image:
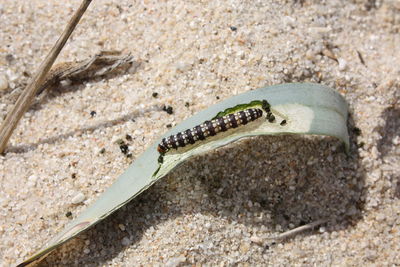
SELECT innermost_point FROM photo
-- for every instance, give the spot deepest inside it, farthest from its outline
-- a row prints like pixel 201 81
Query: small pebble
pixel 3 82
pixel 121 227
pixel 193 25
pixel 12 76
pixel 125 241
pixel 10 58
pixel 257 240
pixel 173 262
pixel 65 83
pixel 33 178
pixel 78 198
pixel 396 140
pixel 342 64
pixel 244 247
pixel 182 66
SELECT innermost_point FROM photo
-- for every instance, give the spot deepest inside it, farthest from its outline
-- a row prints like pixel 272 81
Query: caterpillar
pixel 209 128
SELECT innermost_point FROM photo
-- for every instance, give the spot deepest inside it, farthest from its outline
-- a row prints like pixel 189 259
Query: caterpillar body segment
pixel 209 128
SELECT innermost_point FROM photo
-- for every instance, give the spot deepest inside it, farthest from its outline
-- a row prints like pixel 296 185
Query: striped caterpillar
pixel 210 128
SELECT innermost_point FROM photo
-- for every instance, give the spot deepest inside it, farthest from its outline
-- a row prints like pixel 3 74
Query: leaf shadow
pixel 23 148
pixel 390 130
pixel 386 145
pixel 269 182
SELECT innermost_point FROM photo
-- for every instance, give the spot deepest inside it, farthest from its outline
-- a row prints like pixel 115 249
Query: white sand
pixel 220 208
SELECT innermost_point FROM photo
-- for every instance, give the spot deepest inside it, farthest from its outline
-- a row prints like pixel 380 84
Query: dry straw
pixel 27 96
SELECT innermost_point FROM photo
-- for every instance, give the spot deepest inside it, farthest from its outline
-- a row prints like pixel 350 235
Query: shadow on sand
pixel 294 180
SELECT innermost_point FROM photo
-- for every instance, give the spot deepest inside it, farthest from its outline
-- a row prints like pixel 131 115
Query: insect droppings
pixel 209 128
pixel 283 123
pixel 270 117
pixel 357 131
pixel 168 109
pixel 128 137
pixel 266 106
pixel 124 148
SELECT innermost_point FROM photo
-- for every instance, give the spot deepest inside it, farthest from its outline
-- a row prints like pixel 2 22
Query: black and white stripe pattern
pixel 209 128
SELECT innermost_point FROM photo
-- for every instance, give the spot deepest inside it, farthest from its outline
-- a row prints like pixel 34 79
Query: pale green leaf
pixel 307 108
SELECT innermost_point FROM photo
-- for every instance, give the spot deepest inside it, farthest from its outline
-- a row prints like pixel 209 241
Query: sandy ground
pixel 217 209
